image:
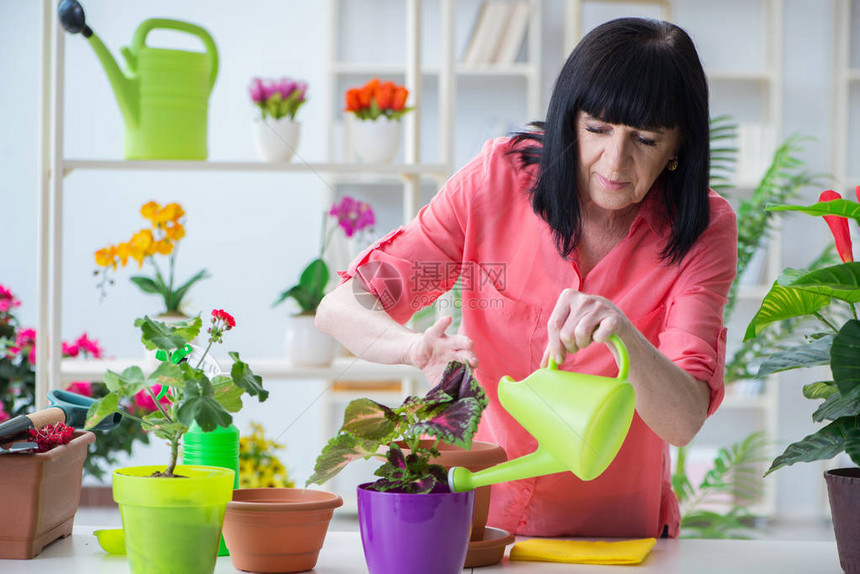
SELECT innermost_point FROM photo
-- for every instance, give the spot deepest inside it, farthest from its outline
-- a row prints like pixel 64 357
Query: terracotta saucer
pixel 490 550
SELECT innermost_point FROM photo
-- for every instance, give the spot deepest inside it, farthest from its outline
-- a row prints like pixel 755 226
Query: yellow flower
pixel 106 257
pixel 150 210
pixel 170 212
pixel 123 250
pixel 174 232
pixel 163 246
pixel 141 245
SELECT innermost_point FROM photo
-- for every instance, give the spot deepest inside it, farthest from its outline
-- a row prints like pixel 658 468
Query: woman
pixel 599 222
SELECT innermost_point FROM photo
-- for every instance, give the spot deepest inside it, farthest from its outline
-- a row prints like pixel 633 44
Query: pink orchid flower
pixel 839 228
pixel 353 215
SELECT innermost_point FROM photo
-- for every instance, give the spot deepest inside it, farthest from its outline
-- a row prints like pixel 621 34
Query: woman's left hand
pixel 578 320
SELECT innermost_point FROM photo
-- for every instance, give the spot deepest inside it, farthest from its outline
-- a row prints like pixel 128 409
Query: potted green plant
pixel 408 519
pixel 162 237
pixel 174 524
pixel 828 297
pixel 276 131
pixel 305 345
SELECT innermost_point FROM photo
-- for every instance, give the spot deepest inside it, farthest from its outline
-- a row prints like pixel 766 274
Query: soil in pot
pixel 277 529
pixel 40 496
pixel 843 489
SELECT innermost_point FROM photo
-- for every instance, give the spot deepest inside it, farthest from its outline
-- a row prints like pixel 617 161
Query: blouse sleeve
pixel 694 337
pixel 412 265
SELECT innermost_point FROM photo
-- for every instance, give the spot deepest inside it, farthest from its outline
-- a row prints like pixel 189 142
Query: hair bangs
pixel 637 88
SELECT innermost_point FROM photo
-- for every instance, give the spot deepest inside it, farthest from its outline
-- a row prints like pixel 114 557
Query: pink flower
pixel 70 350
pixel 256 91
pixel 144 401
pixel 839 228
pixel 286 86
pixel 302 87
pixel 84 388
pixel 4 416
pixel 7 300
pixel 89 347
pixel 352 215
pixel 26 341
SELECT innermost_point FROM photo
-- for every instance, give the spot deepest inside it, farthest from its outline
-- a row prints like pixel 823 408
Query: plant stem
pixel 203 356
pixel 825 321
pixel 174 453
pixel 158 404
pixel 853 310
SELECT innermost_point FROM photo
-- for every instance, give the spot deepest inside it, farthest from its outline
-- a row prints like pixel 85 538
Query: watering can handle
pixel 622 358
pixel 139 40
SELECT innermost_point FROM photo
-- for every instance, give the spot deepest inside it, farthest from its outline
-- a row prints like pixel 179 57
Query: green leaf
pixel 799 356
pixel 101 409
pixel 180 292
pixel 158 335
pixel 845 357
pixel 199 405
pixel 782 303
pixel 315 278
pixel 244 378
pixel 841 207
pixel 127 383
pixel 819 389
pixel 822 445
pixel 163 428
pixel 340 451
pixel 166 374
pixel 369 420
pixel 839 281
pixel 852 445
pixel 838 405
pixel 146 284
pixel 227 394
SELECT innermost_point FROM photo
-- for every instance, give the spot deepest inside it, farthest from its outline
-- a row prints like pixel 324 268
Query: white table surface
pixel 342 554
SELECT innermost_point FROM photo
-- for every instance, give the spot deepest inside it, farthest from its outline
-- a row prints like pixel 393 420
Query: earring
pixel 673 164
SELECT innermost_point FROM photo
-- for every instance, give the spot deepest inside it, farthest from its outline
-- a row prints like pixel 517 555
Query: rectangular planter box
pixel 40 496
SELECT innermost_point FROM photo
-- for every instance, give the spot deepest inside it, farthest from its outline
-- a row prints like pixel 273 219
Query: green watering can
pixel 164 97
pixel 580 422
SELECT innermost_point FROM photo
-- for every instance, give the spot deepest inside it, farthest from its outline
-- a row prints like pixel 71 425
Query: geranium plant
pixel 352 217
pixel 160 238
pixel 827 296
pixel 190 395
pixel 278 99
pixel 449 412
pixel 376 99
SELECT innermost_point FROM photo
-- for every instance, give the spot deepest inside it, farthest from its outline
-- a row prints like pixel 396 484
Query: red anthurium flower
pixel 839 228
pixel 857 192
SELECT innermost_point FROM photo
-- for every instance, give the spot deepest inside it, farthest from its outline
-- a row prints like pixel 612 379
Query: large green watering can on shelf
pixel 164 95
pixel 580 422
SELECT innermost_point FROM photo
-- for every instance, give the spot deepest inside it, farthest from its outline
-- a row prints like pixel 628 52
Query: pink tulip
pixel 303 88
pixel 256 90
pixel 286 86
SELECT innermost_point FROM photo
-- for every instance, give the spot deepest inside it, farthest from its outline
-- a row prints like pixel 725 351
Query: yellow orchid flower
pixel 173 211
pixel 163 246
pixel 174 232
pixel 106 257
pixel 123 250
pixel 150 210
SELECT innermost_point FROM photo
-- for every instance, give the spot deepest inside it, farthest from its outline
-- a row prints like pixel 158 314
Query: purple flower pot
pixel 415 533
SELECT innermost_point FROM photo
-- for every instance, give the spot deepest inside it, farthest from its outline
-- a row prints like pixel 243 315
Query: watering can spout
pixel 125 89
pixel 580 422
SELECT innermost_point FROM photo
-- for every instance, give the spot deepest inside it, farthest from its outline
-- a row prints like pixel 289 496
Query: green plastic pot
pixel 172 525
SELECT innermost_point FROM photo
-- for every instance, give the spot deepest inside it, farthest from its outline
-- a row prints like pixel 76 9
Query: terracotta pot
pixel 277 529
pixel 40 496
pixel 843 489
pixel 482 455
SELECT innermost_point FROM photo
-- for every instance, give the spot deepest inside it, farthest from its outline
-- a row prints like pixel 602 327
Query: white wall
pixel 254 232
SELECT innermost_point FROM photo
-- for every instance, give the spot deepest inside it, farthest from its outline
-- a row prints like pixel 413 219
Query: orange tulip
pixel 353 102
pixel 367 92
pixel 385 94
pixel 398 101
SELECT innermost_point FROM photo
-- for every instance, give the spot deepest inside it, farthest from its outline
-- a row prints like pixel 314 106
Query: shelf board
pixel 344 169
pixel 342 369
pixel 524 69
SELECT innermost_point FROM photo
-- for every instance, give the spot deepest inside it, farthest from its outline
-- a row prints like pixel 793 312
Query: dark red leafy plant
pixel 449 412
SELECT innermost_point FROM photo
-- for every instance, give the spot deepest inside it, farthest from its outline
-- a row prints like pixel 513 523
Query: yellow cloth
pixel 582 552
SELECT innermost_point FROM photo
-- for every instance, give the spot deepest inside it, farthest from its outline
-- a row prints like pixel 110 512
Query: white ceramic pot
pixel 305 345
pixel 375 141
pixel 276 140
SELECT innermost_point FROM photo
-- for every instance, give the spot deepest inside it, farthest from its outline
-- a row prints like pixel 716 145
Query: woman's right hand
pixel 432 350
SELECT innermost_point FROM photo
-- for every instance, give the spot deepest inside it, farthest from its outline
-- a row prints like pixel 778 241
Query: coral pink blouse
pixel 481 226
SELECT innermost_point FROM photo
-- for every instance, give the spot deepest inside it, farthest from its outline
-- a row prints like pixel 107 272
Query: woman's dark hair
pixel 637 72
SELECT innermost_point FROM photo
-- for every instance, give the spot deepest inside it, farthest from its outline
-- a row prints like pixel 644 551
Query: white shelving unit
pixel 51 370
pixel 769 83
pixel 846 80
